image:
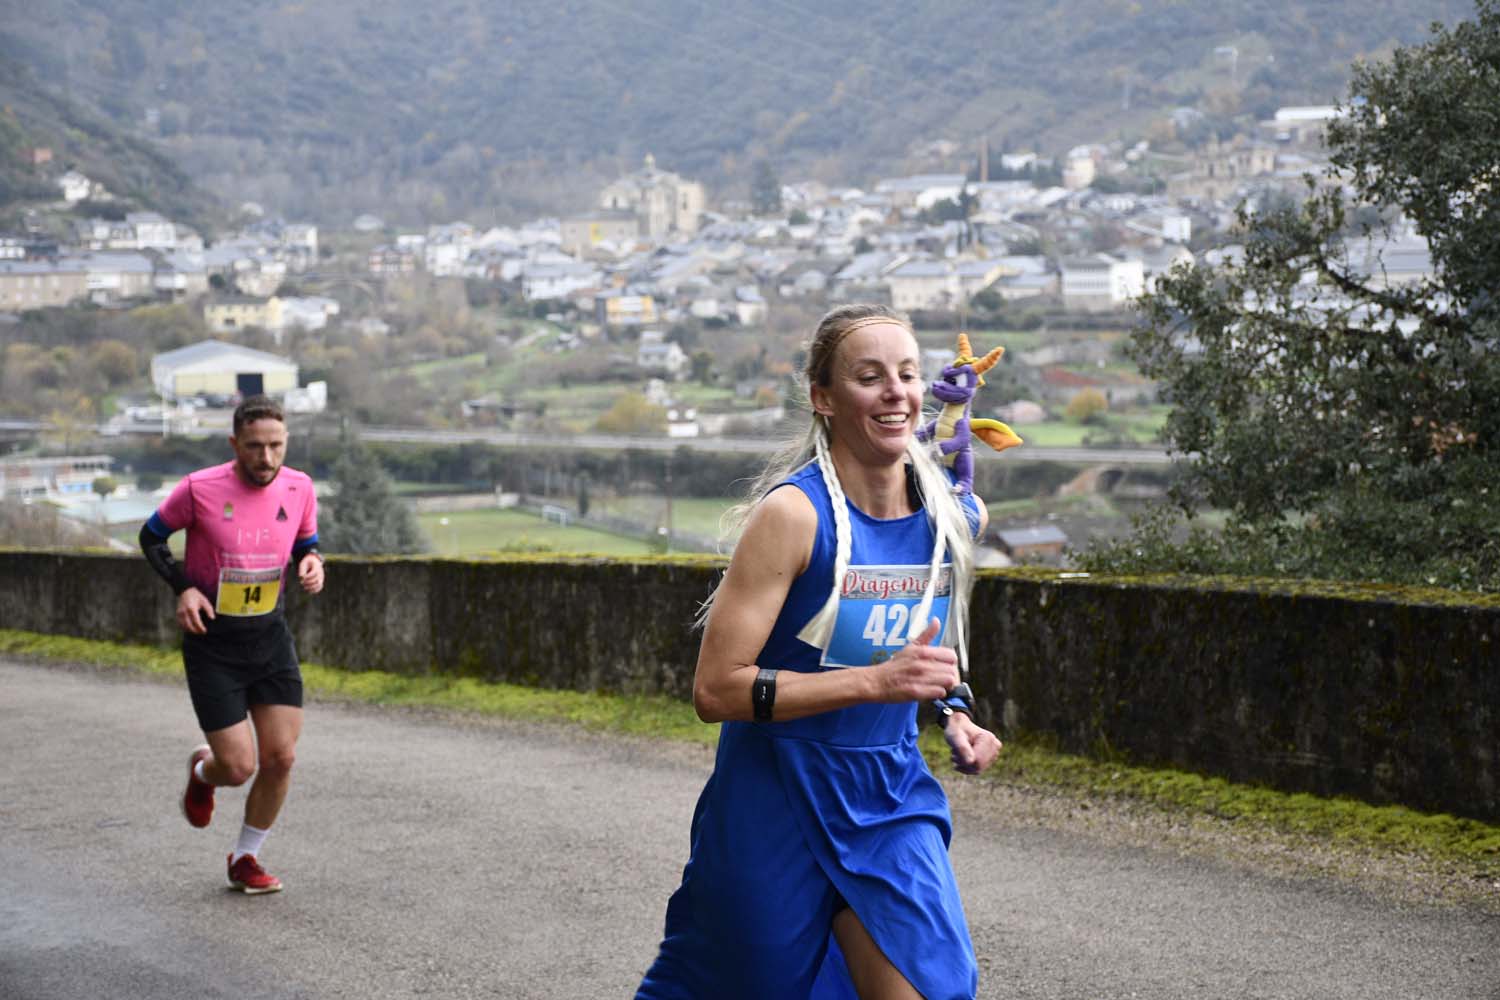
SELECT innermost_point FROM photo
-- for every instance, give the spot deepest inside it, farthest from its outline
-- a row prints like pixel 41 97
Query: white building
pixel 75 186
pixel 212 367
pixel 557 280
pixel 1100 281
pixel 655 353
pixel 920 191
pixel 151 231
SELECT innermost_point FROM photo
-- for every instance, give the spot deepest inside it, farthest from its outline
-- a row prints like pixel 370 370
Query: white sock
pixel 198 771
pixel 249 843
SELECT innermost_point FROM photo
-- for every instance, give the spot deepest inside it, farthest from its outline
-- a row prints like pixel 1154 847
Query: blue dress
pixel 802 818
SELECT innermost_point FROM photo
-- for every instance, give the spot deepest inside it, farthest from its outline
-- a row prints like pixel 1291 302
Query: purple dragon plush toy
pixel 954 428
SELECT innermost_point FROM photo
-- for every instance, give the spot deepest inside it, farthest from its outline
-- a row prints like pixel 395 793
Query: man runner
pixel 243 519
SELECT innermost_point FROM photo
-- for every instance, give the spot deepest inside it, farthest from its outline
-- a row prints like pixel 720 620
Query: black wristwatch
pixel 960 698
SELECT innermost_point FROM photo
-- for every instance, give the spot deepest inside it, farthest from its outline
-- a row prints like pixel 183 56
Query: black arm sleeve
pixel 159 555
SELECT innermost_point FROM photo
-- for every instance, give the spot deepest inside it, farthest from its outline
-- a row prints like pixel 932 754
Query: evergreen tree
pixel 765 190
pixel 364 516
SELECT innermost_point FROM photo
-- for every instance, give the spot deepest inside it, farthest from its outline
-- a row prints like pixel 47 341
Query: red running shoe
pixel 198 800
pixel 249 877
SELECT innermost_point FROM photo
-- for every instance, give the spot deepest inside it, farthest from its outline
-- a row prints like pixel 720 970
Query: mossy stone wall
pixel 1390 695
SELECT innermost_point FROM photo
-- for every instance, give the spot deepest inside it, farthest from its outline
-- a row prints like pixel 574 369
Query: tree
pixel 364 516
pixel 1086 407
pixel 104 486
pixel 632 413
pixel 765 190
pixel 1350 429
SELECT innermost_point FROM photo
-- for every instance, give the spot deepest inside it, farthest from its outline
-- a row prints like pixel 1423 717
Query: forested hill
pixel 138 173
pixel 325 108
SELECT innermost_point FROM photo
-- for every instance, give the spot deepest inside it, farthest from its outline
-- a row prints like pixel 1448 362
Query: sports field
pixel 493 531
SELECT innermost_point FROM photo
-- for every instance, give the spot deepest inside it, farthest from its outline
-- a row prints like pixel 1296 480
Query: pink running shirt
pixel 241 535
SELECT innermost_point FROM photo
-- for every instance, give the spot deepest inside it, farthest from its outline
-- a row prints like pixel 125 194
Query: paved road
pixel 428 856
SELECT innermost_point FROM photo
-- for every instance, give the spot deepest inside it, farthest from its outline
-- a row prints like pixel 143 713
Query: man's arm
pixel 309 563
pixel 192 607
pixel 153 539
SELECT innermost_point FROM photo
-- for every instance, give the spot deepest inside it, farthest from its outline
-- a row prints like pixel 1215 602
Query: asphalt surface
pixel 429 855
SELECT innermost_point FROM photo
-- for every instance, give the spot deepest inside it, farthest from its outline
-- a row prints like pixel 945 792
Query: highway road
pixel 434 855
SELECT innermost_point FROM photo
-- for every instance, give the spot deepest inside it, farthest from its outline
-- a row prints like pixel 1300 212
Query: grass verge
pixel 1389 830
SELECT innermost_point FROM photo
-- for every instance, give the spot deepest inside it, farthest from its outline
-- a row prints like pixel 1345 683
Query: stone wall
pixel 1386 694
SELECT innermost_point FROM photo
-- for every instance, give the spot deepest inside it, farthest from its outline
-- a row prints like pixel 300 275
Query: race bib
pixel 875 608
pixel 248 593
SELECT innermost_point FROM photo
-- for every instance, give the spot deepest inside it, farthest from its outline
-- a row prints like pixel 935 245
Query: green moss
pixel 1030 762
pixel 1390 593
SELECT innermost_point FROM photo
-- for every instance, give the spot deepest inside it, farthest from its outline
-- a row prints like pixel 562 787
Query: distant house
pixel 310 312
pixel 658 354
pixel 1042 544
pixel 37 284
pixel 557 280
pixel 803 278
pixel 73 475
pixel 75 186
pixel 924 284
pixel 212 367
pixel 447 248
pixel 302 236
pixel 116 276
pixel 1390 263
pixel 150 231
pixel 1222 169
pixel 1101 282
pixel 180 275
pixel 615 308
pixel 1024 278
pixel 866 271
pixel 583 235
pixel 387 259
pixel 749 306
pixel 236 312
pixel 921 190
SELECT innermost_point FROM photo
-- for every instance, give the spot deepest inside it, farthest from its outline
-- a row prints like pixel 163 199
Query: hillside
pixel 456 107
pixel 140 175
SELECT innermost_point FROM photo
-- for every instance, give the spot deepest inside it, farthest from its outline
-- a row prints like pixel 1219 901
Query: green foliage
pixel 364 517
pixel 765 190
pixel 1351 429
pixel 104 485
pixel 1086 407
pixel 632 413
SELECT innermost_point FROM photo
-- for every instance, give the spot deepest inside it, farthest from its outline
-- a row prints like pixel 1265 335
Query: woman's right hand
pixel 920 671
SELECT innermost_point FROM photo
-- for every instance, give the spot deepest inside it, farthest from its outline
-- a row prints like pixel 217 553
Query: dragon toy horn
pixel 965 356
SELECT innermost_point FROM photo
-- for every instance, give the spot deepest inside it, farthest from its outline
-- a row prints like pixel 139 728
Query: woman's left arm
pixel 972 747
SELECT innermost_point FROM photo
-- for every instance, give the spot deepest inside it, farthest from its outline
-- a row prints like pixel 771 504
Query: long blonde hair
pixel 951 529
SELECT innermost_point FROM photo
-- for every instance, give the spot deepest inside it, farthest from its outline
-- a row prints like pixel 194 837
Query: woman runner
pixel 819 847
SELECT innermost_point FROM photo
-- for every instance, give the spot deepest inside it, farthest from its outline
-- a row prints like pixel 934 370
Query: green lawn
pixel 1138 426
pixel 695 515
pixel 477 532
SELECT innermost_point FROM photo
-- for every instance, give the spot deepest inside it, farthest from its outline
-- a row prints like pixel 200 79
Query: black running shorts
pixel 228 670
